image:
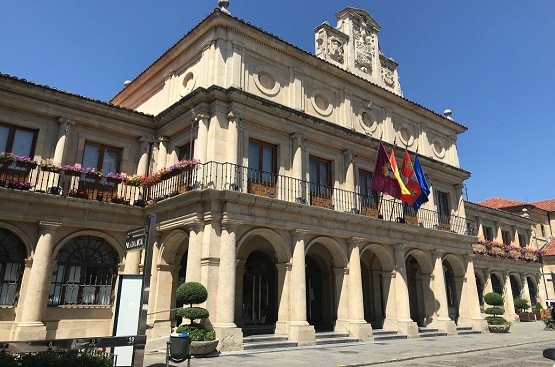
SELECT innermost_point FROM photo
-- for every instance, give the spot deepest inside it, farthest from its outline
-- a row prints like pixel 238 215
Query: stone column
pixel 283 291
pixel 441 319
pixel 405 325
pixel 153 284
pixel 525 290
pixel 142 167
pixel 31 326
pixel 162 157
pixel 470 304
pixel 488 286
pixel 509 304
pixel 132 262
pixel 233 181
pixel 230 336
pixel 358 327
pixel 389 291
pixel 299 329
pixel 341 297
pixel 350 182
pixel 297 147
pixel 193 272
pixel 203 121
pixel 63 133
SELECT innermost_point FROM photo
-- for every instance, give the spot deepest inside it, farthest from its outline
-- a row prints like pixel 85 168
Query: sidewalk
pixel 372 353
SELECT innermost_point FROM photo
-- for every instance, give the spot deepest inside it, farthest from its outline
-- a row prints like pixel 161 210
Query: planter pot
pixel 526 316
pixel 499 328
pixel 203 347
pixel 26 164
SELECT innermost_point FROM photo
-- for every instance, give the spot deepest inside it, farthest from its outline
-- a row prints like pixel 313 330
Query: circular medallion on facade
pixel 438 147
pixel 367 120
pixel 406 136
pixel 266 81
pixel 188 84
pixel 321 103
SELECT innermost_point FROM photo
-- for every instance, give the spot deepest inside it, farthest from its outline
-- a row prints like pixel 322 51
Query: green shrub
pixel 549 323
pixel 493 320
pixel 493 299
pixel 538 307
pixel 197 332
pixel 494 311
pixel 72 358
pixel 190 293
pixel 193 313
pixel 521 304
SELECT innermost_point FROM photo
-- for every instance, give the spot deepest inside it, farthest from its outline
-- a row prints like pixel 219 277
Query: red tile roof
pixel 547 205
pixel 499 203
pixel 549 249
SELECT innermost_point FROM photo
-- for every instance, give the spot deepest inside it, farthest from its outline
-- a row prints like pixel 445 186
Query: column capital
pixel 348 155
pixel 201 116
pixel 234 117
pixel 298 138
pixel 49 227
pixel 354 240
pixel 231 224
pixel 196 226
pixel 437 253
pixel 65 120
pixel 162 139
pixel 146 139
pixel 399 247
pixel 299 234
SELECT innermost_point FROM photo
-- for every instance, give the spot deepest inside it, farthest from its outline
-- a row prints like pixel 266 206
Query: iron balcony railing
pixel 228 176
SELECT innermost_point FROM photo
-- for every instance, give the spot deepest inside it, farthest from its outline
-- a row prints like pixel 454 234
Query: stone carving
pixel 388 77
pixel 364 49
pixel 335 50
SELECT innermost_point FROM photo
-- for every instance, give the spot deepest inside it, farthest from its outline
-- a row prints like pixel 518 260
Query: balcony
pixel 227 176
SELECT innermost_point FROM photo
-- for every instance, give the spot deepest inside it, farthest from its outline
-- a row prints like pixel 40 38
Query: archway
pixel 496 284
pixel 533 291
pixel 415 289
pixel 516 289
pixel 452 291
pixel 12 259
pixel 259 301
pixel 480 289
pixel 375 263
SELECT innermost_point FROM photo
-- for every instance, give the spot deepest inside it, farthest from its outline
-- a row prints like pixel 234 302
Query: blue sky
pixel 491 62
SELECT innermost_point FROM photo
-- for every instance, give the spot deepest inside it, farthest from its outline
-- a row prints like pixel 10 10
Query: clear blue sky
pixel 491 62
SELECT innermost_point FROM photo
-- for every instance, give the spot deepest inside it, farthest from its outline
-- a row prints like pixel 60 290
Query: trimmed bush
pixel 492 320
pixel 493 299
pixel 521 304
pixel 494 311
pixel 190 293
pixel 193 313
pixel 538 307
pixel 197 332
pixel 58 358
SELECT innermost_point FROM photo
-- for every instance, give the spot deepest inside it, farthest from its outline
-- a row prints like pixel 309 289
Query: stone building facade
pixel 278 219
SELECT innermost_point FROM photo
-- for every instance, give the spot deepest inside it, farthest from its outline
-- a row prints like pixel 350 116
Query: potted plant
pixel 203 340
pixel 496 323
pixel 521 305
pixel 538 310
pixel 48 165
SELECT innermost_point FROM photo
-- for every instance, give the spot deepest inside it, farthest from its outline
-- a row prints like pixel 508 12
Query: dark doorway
pixel 259 306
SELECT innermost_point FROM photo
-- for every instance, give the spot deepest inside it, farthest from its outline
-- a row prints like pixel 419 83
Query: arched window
pixel 84 274
pixel 12 257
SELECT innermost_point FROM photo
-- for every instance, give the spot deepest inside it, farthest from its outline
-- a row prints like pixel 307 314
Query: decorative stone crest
pixel 364 49
pixel 388 77
pixel 335 49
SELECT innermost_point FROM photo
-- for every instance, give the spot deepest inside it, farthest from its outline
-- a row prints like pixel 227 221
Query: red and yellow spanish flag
pixel 409 178
pixel 405 195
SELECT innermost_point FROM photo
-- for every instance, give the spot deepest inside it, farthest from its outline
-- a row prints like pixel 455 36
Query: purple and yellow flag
pixel 384 179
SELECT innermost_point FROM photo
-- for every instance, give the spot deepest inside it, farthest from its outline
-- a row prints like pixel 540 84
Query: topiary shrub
pixel 191 293
pixel 538 307
pixel 521 304
pixel 495 300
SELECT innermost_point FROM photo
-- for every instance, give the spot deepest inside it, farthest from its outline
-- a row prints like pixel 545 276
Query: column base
pixel 480 324
pixel 282 328
pixel 302 333
pixel 360 330
pixel 230 338
pixel 447 325
pixel 408 328
pixel 342 326
pixel 30 331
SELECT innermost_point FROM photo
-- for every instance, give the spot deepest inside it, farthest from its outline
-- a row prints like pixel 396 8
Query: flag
pixel 405 194
pixel 384 179
pixel 423 184
pixel 409 178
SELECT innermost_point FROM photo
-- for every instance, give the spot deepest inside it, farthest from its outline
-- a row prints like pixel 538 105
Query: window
pixel 369 197
pixel 320 177
pixel 102 157
pixel 488 233
pixel 262 162
pixel 186 151
pixel 12 257
pixel 18 141
pixel 84 274
pixel 522 240
pixel 443 207
pixel 506 236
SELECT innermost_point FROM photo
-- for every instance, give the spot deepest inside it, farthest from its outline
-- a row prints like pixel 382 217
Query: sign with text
pixel 136 239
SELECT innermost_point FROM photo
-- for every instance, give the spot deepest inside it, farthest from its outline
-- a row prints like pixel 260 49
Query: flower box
pixel 93 176
pixel 51 169
pixel 26 164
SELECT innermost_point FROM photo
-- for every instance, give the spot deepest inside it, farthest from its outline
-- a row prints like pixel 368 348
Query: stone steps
pixel 334 337
pixel 382 335
pixel 267 341
pixel 426 332
pixel 467 330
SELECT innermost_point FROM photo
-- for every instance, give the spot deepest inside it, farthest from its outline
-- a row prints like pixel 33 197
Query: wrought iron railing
pixel 227 176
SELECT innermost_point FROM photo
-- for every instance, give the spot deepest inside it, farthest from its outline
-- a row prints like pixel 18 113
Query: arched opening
pixel 180 280
pixel 453 294
pixel 496 284
pixel 12 258
pixel 532 289
pixel 480 289
pixel 415 289
pixel 373 290
pixel 259 301
pixel 515 287
pixel 85 271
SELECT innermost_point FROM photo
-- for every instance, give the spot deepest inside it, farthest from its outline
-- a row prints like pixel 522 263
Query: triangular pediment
pixel 359 14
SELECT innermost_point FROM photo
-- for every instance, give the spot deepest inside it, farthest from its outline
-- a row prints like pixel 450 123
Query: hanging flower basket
pixel 26 164
pixel 72 170
pixel 6 158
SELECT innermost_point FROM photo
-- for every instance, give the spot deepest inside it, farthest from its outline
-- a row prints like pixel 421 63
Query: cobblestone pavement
pixel 521 347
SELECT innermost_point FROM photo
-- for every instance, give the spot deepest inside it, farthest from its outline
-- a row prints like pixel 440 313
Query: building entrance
pixel 259 290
